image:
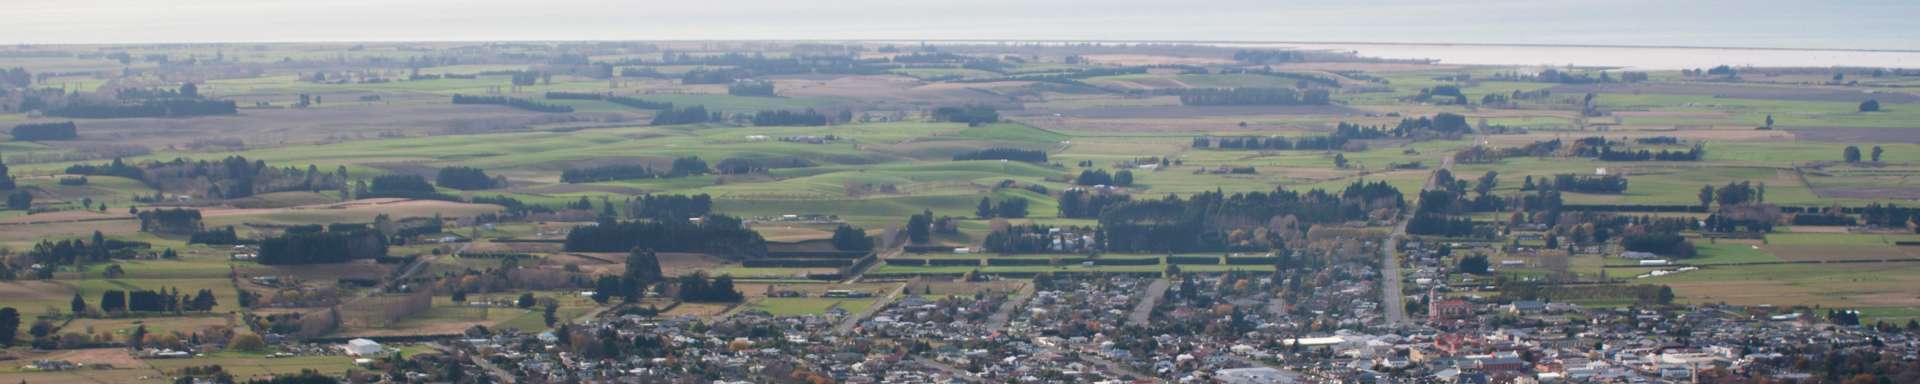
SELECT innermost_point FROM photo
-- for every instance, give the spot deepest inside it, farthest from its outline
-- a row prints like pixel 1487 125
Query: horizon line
pixel 1003 41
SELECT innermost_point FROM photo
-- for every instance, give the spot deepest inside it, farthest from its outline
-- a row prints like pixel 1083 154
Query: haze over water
pixel 1841 24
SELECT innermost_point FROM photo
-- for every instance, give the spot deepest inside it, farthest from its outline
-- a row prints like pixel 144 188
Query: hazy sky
pixel 1864 24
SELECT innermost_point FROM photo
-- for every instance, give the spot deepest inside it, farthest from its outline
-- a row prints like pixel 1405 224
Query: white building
pixel 361 347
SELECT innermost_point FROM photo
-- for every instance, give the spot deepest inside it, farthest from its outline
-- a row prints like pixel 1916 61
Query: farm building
pixel 361 347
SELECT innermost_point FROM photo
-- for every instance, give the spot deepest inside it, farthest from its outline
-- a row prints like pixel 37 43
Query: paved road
pixel 950 370
pixel 1143 312
pixel 499 375
pixel 1391 295
pixel 846 325
pixel 1001 317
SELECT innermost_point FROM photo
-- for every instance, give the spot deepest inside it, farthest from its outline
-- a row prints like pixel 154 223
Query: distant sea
pixel 1645 58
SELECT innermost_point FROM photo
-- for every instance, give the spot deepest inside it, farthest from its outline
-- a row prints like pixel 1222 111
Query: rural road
pixel 1391 294
pixel 1143 312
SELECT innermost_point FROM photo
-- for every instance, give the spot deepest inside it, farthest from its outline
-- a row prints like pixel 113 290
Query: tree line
pixel 466 178
pixel 606 173
pixel 1254 96
pixel 45 132
pixel 162 300
pixel 689 115
pixel 714 234
pixel 973 115
pixel 553 95
pixel 1601 184
pixel 1207 221
pixel 808 118
pixel 1122 178
pixel 146 108
pixel 399 185
pixel 229 178
pixel 640 104
pixel 322 247
pixel 1007 209
pixel 1079 203
pixel 525 104
pixel 670 207
pixel 1607 153
pixel 1014 154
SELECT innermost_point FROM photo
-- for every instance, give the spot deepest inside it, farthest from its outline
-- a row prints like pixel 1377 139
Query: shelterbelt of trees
pixel 230 178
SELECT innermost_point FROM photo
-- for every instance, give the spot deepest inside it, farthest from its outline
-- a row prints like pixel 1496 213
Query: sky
pixel 1835 24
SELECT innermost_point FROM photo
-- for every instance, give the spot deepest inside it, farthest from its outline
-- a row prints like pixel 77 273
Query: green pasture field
pixel 243 366
pixel 1872 287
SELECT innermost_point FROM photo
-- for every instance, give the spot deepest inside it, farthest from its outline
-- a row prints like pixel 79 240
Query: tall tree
pixel 1851 154
pixel 79 305
pixel 1706 196
pixel 1876 153
pixel 850 238
pixel 920 227
pixel 643 268
pixel 9 326
pixel 113 301
pixel 984 210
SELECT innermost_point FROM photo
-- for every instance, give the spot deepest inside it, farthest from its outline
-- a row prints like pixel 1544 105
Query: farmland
pixel 349 196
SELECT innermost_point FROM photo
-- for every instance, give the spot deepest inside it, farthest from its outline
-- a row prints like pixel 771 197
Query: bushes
pixel 1474 264
pixel 45 132
pixel 751 88
pixel 1822 219
pixel 1607 184
pixel 796 263
pixel 1664 244
pixel 464 178
pixel 170 220
pixel 1015 154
